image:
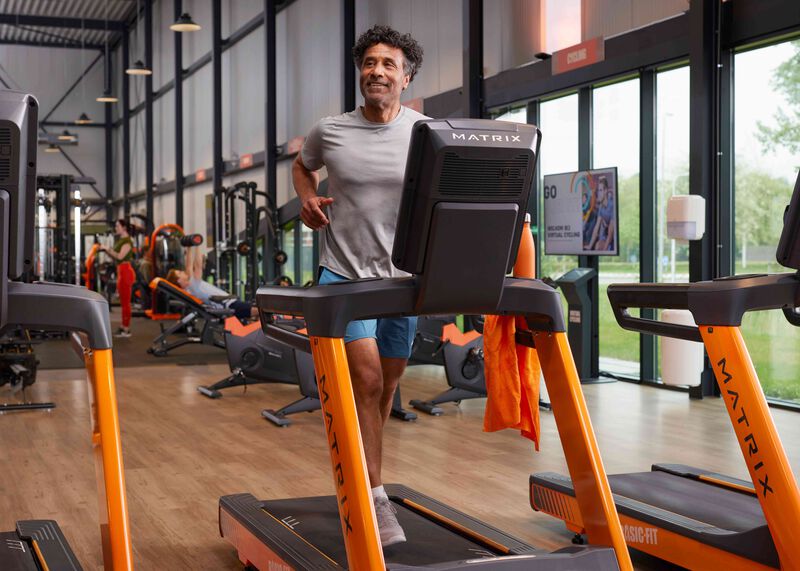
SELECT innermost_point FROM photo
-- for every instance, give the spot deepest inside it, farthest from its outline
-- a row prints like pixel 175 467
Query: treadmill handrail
pixel 329 308
pixel 720 302
pixel 296 340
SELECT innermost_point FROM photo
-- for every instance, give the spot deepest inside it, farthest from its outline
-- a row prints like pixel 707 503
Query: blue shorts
pixel 395 335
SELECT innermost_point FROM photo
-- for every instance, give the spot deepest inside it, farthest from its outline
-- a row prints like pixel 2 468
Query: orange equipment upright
pixel 694 517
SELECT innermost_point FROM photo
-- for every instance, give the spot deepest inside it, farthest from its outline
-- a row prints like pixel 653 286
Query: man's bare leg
pixel 368 389
pixel 392 369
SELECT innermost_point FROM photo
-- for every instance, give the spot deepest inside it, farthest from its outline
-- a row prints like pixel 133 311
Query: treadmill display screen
pixel 465 161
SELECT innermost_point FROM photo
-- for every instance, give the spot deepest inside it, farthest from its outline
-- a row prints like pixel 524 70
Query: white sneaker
pixel 125 333
pixel 390 530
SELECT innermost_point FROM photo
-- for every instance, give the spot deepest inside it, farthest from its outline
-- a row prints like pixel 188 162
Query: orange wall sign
pixel 580 55
pixel 246 161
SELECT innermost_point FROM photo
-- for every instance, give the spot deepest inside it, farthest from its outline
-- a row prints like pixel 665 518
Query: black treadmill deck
pixel 17 551
pixel 675 500
pixel 305 533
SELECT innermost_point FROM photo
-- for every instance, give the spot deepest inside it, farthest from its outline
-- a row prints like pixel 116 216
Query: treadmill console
pixel 472 161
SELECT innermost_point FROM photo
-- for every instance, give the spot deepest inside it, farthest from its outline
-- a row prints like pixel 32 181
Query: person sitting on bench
pixel 192 281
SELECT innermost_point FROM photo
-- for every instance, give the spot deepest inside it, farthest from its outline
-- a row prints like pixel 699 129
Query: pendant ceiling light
pixel 185 24
pixel 107 97
pixel 51 148
pixel 66 136
pixel 138 67
pixel 83 119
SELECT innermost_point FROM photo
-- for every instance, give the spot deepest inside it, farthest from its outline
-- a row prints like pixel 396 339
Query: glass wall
pixel 558 121
pixel 767 147
pixel 616 144
pixel 288 243
pixel 672 168
pixel 307 262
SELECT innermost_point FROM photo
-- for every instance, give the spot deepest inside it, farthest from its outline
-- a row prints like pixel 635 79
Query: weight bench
pixel 199 323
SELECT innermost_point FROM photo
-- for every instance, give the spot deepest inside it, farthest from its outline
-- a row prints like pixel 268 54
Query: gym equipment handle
pixel 296 340
pixel 792 316
pixel 191 240
pixel 652 296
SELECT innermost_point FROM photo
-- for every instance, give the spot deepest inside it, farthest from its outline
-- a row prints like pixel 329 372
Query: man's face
pixel 383 78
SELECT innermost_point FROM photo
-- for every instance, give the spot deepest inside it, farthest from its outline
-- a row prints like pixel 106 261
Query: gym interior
pixel 594 212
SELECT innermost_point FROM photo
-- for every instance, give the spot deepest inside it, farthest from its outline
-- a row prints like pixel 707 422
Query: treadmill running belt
pixel 723 508
pixel 317 520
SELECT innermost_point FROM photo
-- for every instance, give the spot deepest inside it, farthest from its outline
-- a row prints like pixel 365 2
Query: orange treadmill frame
pixel 767 463
pixel 107 448
pixel 356 510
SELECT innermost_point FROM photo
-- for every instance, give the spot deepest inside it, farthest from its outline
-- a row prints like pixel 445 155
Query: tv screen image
pixel 581 213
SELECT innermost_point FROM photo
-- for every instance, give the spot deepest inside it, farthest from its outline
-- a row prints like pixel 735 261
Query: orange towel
pixel 512 379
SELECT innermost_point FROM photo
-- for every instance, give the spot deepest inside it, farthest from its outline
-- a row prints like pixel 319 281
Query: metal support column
pixel 216 110
pixel 725 210
pixel 270 131
pixel 349 37
pixel 148 118
pixel 532 118
pixel 178 118
pixel 647 212
pixel 126 127
pixel 585 153
pixel 109 131
pixel 704 57
pixel 472 90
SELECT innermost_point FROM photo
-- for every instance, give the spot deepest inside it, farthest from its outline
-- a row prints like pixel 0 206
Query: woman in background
pixel 122 253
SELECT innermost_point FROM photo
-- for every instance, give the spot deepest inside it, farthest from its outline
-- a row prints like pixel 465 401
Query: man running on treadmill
pixel 365 153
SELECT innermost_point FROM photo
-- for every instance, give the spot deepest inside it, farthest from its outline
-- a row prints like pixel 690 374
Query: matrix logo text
pixel 493 138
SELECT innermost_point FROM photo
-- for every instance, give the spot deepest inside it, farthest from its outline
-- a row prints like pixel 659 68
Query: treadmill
pixel 694 517
pixel 466 190
pixel 40 544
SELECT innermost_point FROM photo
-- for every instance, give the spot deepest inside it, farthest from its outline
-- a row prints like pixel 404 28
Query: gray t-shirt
pixel 203 291
pixel 366 163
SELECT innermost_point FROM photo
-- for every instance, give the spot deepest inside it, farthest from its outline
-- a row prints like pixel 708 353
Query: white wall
pixel 48 73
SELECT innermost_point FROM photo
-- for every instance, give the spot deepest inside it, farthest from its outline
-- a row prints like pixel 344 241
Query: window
pixel 307 261
pixel 558 121
pixel 288 243
pixel 616 144
pixel 672 168
pixel 767 95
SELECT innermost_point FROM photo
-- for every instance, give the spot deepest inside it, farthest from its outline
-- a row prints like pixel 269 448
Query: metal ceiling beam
pixel 60 22
pixel 50 44
pixel 72 124
pixel 149 173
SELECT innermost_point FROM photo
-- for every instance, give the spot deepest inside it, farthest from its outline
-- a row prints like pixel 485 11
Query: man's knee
pixel 367 382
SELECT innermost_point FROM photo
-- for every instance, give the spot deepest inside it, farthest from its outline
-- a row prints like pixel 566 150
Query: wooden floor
pixel 182 451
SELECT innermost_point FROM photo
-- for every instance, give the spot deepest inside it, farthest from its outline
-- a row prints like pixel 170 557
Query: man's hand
pixel 312 212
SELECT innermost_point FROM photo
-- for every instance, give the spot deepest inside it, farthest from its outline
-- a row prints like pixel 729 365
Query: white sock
pixel 379 492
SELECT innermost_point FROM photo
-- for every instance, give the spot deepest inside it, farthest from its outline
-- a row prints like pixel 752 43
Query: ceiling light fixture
pixel 185 24
pixel 138 68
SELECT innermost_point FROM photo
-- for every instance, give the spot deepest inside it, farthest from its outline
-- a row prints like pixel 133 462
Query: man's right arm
pixel 306 183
